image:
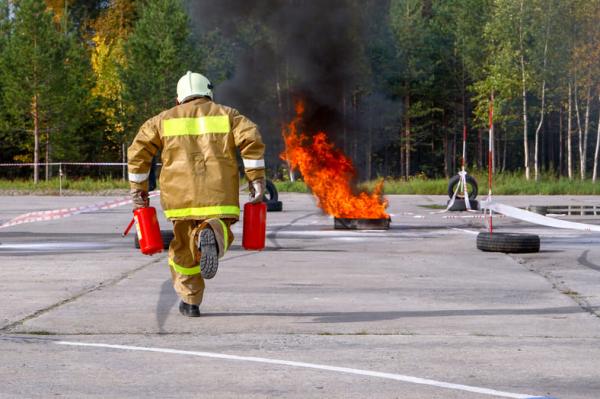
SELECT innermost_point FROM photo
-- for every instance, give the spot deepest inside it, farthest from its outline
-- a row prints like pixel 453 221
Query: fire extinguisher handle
pixel 128 227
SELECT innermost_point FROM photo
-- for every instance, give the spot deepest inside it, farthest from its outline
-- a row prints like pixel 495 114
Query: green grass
pixel 503 184
pixel 52 186
pixel 291 187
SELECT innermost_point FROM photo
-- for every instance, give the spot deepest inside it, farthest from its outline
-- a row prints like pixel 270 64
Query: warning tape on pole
pixel 535 218
pixel 42 216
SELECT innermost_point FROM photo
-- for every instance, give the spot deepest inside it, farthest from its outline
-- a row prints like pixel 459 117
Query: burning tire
pixel 460 205
pixel 508 242
pixel 471 182
pixel 167 237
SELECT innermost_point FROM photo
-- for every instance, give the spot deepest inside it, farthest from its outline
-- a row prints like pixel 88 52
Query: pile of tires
pixel 459 202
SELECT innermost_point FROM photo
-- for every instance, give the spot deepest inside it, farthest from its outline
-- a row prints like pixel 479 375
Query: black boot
pixel 189 310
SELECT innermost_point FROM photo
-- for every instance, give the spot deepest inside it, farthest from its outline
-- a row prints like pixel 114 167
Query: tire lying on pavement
pixel 271 198
pixel 167 237
pixel 471 182
pixel 274 206
pixel 508 242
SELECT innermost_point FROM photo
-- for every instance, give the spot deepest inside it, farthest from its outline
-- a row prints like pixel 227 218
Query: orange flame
pixel 328 173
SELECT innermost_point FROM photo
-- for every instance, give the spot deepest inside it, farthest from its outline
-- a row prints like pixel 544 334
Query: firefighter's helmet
pixel 193 85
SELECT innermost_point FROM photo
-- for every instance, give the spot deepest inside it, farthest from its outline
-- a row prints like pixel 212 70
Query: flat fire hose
pixel 535 218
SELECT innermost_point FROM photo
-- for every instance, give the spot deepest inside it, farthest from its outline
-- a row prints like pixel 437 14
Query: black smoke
pixel 309 49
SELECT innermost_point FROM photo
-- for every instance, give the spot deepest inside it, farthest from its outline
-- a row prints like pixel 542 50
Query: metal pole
pixel 124 162
pixel 60 175
pixel 491 155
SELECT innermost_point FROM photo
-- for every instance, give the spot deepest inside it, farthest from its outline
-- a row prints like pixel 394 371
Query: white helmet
pixel 193 85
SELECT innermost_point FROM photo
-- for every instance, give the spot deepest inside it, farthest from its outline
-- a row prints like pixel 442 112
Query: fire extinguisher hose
pixel 128 227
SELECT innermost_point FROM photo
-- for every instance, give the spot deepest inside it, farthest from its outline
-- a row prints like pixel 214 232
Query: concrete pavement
pixel 417 301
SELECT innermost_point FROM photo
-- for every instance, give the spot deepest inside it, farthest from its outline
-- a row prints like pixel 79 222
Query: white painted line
pixel 389 376
pixel 48 246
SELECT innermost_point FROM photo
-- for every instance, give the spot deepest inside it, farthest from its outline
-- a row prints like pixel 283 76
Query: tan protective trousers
pixel 184 255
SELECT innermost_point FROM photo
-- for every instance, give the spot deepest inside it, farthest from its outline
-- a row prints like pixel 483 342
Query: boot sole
pixel 188 311
pixel 209 258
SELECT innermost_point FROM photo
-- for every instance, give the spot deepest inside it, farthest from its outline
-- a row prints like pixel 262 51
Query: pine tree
pixel 158 53
pixel 42 72
pixel 28 71
pixel 6 141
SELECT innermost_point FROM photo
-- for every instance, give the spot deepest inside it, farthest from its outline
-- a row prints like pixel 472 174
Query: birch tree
pixel 547 18
pixel 585 60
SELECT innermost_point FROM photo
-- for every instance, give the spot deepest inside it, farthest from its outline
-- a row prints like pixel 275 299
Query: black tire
pixel 167 237
pixel 271 194
pixel 508 242
pixel 460 205
pixel 473 189
pixel 274 206
pixel 542 210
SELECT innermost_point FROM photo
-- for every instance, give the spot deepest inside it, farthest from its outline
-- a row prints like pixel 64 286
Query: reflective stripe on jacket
pixel 199 176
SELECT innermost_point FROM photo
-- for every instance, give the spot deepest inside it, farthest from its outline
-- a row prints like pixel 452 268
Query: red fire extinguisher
pixel 148 230
pixel 255 226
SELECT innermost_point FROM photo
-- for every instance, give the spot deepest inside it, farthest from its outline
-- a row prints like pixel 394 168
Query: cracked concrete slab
pixel 417 300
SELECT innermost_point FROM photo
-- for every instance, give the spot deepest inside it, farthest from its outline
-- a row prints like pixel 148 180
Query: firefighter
pixel 199 180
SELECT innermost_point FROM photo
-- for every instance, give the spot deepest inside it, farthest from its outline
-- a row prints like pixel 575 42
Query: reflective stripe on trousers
pixel 203 212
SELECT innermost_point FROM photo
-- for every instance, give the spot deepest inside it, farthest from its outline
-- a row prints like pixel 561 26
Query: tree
pixel 111 30
pixel 501 74
pixel 546 17
pixel 409 27
pixel 42 73
pixel 5 137
pixel 585 70
pixel 458 27
pixel 158 52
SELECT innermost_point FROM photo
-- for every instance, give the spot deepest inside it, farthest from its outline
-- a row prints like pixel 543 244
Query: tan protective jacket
pixel 199 176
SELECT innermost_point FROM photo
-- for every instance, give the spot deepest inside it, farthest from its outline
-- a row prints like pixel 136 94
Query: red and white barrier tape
pixel 478 216
pixel 42 216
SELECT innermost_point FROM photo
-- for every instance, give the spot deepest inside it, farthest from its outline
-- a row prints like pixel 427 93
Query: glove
pixel 139 198
pixel 257 190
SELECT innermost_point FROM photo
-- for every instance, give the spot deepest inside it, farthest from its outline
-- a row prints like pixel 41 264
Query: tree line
pixel 78 77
